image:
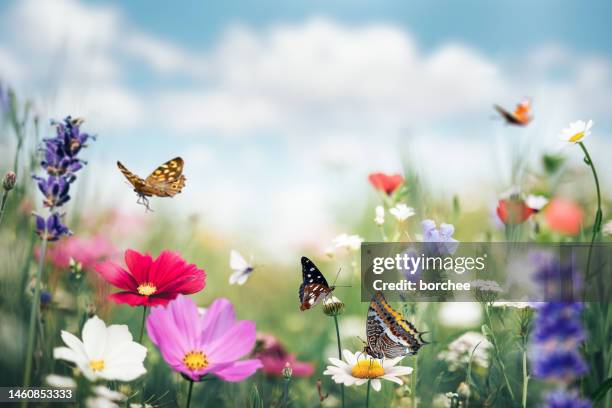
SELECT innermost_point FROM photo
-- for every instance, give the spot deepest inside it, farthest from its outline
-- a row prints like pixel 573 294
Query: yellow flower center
pixel 195 360
pixel 576 137
pixel 96 365
pixel 147 289
pixel 367 369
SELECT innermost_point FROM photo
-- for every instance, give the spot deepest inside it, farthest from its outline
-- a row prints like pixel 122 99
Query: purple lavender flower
pixel 439 241
pixel 53 227
pixel 55 189
pixel 564 399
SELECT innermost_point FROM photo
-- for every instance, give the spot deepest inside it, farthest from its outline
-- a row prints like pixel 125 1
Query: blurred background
pixel 281 109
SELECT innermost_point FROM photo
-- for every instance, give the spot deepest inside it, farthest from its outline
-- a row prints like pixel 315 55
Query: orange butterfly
pixel 521 115
pixel 165 181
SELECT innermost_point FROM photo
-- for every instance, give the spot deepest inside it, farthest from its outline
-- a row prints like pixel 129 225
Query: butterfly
pixel 314 287
pixel 242 269
pixel 388 333
pixel 166 181
pixel 521 115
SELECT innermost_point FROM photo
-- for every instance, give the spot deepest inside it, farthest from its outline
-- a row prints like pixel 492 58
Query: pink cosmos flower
pixel 87 252
pixel 196 344
pixel 149 282
pixel 273 356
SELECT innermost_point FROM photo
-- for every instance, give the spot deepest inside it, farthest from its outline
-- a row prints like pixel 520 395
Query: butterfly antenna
pixel 337 274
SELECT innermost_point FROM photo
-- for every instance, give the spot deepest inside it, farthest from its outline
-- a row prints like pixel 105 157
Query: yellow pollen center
pixel 96 365
pixel 195 360
pixel 576 137
pixel 147 289
pixel 367 369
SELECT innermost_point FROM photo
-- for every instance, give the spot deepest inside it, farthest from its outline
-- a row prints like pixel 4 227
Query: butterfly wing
pixel 241 268
pixel 314 287
pixel 522 113
pixel 508 116
pixel 389 334
pixel 134 180
pixel 167 180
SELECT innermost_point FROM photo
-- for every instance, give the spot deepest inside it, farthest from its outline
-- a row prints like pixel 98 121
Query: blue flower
pixel 439 241
pixel 565 399
pixel 53 226
pixel 55 189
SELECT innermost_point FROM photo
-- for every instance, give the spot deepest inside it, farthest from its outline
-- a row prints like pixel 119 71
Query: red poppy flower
pixel 513 211
pixel 149 282
pixel 564 216
pixel 386 182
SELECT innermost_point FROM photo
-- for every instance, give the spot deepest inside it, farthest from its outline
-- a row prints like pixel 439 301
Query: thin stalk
pixel 339 354
pixel 413 383
pixel 368 395
pixel 498 358
pixel 142 324
pixel 286 392
pixel 598 214
pixel 4 197
pixel 34 315
pixel 525 379
pixel 189 393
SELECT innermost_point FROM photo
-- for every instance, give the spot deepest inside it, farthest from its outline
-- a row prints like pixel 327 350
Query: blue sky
pixel 282 108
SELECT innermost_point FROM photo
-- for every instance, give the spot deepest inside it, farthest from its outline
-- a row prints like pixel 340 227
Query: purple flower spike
pixel 197 344
pixel 54 227
pixel 439 241
pixel 55 189
pixel 564 399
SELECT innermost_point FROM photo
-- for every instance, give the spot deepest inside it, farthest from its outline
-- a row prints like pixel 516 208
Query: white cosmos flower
pixel 402 212
pixel 536 202
pixel 359 368
pixel 350 242
pixel 380 215
pixel 105 352
pixel 576 131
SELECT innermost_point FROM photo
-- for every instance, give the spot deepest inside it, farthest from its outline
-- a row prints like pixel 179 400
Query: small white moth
pixel 241 268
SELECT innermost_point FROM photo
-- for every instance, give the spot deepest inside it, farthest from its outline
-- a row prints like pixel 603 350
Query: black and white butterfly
pixel 240 267
pixel 314 287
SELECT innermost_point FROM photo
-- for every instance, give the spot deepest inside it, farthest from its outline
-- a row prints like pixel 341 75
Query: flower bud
pixel 287 371
pixel 332 306
pixel 8 182
pixel 464 390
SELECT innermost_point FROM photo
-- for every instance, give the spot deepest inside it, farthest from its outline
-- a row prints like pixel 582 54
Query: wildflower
pixel 513 211
pixel 8 182
pixel 197 345
pixel 287 371
pixel 359 368
pixel 536 202
pixel 105 352
pixel 149 282
pixel 79 253
pixel 564 216
pixel 439 241
pixel 386 182
pixel 402 212
pixel 60 381
pixel 565 399
pixel 380 215
pixel 51 228
pixel 350 242
pixel 607 228
pixel 464 390
pixel 274 358
pixel 55 190
pixel 469 345
pixel 576 131
pixel 332 306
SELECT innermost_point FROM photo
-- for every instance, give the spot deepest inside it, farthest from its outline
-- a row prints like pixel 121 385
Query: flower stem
pixel 598 214
pixel 368 395
pixel 34 315
pixel 286 392
pixel 413 383
pixel 525 378
pixel 339 354
pixel 498 357
pixel 142 325
pixel 4 197
pixel 189 393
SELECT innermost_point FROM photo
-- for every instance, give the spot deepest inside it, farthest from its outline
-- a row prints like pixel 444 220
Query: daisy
pixel 105 352
pixel 402 212
pixel 359 368
pixel 576 131
pixel 149 282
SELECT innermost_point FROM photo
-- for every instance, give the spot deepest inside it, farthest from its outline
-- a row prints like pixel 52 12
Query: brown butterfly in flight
pixel 166 181
pixel 521 115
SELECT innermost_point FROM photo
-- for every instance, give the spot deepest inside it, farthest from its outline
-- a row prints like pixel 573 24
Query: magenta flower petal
pixel 116 276
pixel 235 343
pixel 219 317
pixel 239 370
pixel 138 264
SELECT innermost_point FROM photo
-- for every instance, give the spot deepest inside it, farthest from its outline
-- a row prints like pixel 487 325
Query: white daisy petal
pixel 376 385
pixel 399 370
pixel 337 362
pixel 349 357
pixel 393 379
